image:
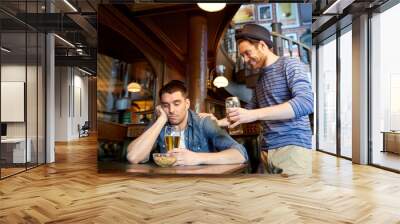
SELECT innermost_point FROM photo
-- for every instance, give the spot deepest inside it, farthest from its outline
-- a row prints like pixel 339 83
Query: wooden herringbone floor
pixel 71 191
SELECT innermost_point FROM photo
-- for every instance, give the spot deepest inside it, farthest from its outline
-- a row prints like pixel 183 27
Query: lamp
pixel 65 41
pixel 337 7
pixel 70 5
pixel 220 80
pixel 134 87
pixel 5 49
pixel 84 71
pixel 211 7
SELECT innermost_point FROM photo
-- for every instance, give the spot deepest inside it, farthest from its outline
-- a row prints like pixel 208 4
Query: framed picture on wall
pixel 265 12
pixel 287 14
pixel 244 14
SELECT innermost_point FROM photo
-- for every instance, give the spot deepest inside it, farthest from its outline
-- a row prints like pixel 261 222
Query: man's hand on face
pixel 161 114
pixel 185 157
pixel 239 115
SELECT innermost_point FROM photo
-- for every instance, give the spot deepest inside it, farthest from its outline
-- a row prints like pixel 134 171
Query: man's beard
pixel 259 62
pixel 174 122
pixel 262 61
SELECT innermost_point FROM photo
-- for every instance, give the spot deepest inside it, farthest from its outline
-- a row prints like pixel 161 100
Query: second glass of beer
pixel 232 102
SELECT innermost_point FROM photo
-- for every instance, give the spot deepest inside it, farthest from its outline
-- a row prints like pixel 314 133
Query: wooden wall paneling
pixel 115 19
pixel 164 38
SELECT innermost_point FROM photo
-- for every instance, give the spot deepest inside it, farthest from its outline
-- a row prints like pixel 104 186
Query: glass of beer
pixel 232 102
pixel 172 135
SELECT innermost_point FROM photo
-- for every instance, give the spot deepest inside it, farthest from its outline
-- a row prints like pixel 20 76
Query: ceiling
pixel 77 27
pixel 162 28
pixel 164 24
pixel 328 16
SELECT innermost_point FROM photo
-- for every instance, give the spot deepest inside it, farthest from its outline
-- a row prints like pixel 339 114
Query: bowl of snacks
pixel 164 159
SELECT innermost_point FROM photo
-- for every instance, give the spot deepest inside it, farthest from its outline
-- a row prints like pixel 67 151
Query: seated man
pixel 202 142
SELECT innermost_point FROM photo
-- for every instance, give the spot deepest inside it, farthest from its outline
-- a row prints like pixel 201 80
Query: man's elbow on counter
pixel 132 158
pixel 243 159
pixel 243 155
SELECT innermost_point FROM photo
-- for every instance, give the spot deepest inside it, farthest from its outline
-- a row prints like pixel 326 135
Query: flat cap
pixel 256 32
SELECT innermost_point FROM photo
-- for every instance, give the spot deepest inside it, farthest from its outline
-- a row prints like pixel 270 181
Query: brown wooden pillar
pixel 196 69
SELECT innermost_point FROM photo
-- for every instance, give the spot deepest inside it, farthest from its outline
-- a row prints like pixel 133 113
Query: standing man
pixel 282 100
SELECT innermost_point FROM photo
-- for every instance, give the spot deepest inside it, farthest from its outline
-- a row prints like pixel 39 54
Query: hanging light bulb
pixel 221 81
pixel 211 7
pixel 134 87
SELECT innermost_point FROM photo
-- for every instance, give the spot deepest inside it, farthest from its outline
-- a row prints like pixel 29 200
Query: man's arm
pixel 224 121
pixel 221 122
pixel 229 151
pixel 277 112
pixel 140 148
pixel 301 104
pixel 228 156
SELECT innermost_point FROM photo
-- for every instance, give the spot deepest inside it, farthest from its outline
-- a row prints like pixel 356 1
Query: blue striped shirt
pixel 285 81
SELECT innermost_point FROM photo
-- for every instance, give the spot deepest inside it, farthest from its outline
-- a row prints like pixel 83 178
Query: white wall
pixel 34 125
pixel 61 103
pixel 81 104
pixel 71 94
pixel 13 73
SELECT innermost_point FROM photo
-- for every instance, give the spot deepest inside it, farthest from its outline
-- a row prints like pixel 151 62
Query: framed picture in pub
pixel 245 14
pixel 265 12
pixel 287 14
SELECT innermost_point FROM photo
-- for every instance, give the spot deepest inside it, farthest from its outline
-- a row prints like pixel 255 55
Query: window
pixel 385 88
pixel 22 68
pixel 327 96
pixel 346 94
